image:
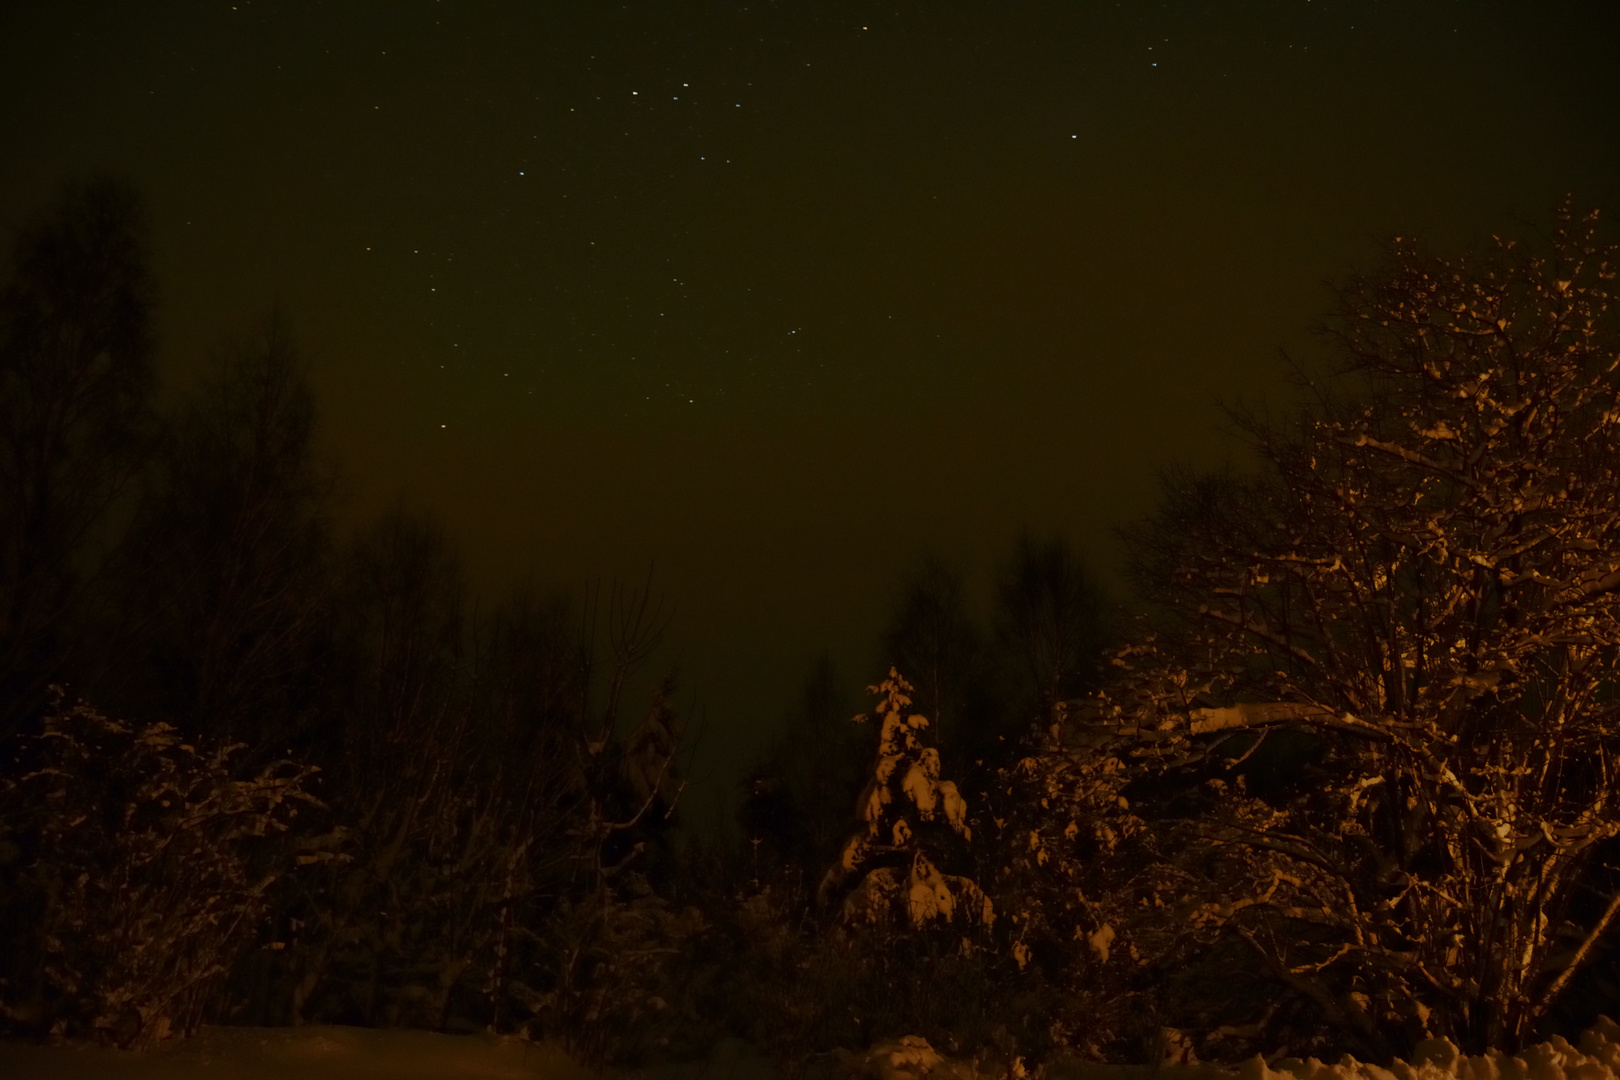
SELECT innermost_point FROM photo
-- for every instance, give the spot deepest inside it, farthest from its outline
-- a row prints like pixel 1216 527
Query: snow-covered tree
pixel 905 797
pixel 134 870
pixel 1387 677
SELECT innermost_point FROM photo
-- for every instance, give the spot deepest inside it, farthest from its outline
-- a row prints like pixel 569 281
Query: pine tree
pixel 894 854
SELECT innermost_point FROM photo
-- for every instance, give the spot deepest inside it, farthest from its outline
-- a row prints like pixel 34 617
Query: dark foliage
pixel 75 424
pixel 224 583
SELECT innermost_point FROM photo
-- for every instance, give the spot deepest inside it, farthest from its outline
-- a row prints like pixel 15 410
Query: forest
pixel 1335 778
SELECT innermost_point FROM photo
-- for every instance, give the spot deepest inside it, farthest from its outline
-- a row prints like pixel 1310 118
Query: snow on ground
pixel 346 1053
pixel 304 1053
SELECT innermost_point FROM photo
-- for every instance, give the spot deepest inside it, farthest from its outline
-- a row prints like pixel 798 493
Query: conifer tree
pixel 894 853
pixel 76 377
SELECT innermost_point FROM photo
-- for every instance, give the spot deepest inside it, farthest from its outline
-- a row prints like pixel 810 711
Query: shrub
pixel 134 869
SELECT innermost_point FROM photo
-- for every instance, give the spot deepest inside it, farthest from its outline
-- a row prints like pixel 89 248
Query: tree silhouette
pixel 227 562
pixel 1050 620
pixel 932 633
pixel 75 380
pixel 796 801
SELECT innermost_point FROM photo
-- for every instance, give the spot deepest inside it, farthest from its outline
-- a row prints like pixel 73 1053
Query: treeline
pixel 1341 779
pixel 256 774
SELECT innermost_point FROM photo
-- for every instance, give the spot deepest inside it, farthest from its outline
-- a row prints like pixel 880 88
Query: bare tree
pixel 495 819
pixel 1411 617
pixel 228 560
pixel 401 760
pixel 139 868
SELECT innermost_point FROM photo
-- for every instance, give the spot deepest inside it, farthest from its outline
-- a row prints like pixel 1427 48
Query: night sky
pixel 775 297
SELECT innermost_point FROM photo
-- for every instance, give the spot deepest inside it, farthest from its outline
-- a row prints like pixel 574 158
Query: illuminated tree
pixel 905 799
pixel 1384 693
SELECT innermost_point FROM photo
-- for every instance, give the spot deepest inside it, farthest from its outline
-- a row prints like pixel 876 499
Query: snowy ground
pixel 344 1053
pixel 310 1053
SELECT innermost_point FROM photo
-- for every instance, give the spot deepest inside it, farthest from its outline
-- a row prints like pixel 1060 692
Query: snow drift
pixel 339 1053
pixel 1597 1057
